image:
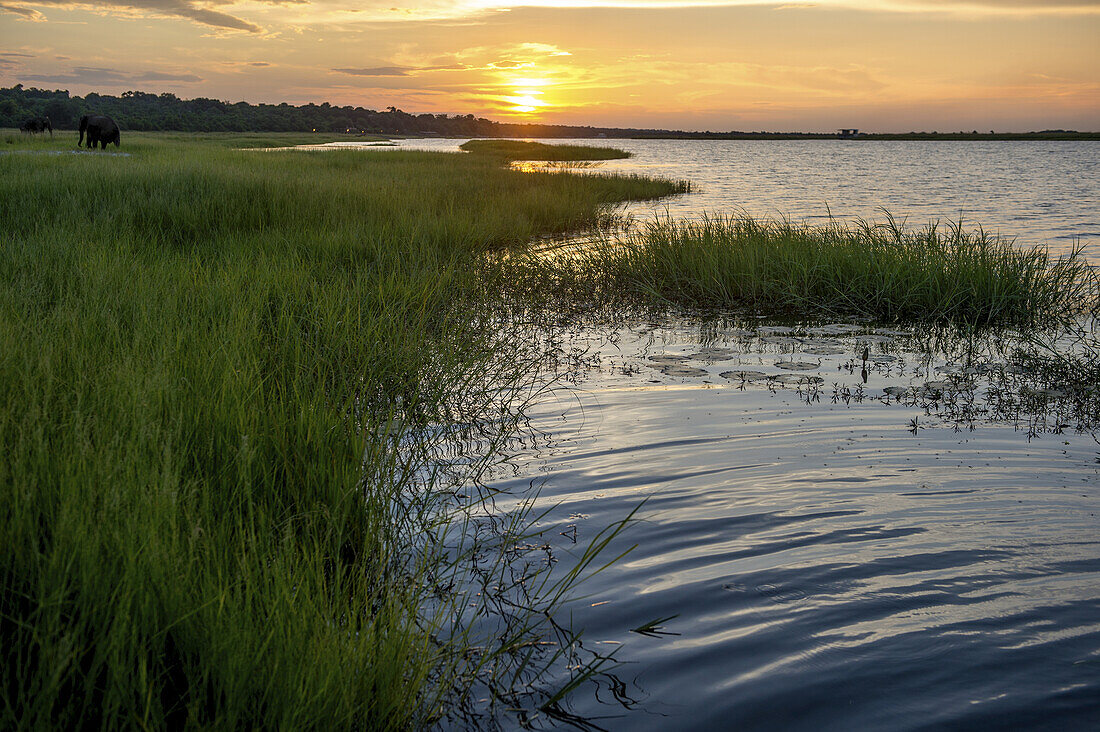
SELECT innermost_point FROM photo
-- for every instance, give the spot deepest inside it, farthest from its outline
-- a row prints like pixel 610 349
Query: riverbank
pixel 219 370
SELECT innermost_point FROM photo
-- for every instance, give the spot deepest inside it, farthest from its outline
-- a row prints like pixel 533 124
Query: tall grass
pixel 209 363
pixel 886 271
pixel 524 150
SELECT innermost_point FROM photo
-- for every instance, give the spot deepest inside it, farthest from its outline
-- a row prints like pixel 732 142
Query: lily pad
pixel 745 375
pixel 1049 393
pixel 675 369
pixel 799 380
pixel 668 358
pixel 896 391
pixel 836 329
pixel 824 350
pixel 712 353
pixel 797 365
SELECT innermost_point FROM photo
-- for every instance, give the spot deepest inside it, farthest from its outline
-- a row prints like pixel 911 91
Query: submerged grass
pixel 886 272
pixel 215 369
pixel 522 150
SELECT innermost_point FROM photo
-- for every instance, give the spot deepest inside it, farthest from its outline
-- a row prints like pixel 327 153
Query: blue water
pixel 834 557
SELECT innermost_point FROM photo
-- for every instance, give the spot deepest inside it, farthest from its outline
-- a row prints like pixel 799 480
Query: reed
pixel 884 271
pixel 522 150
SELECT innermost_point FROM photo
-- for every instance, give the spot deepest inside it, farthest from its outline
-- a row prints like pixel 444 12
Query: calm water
pixel 917 550
pixel 914 547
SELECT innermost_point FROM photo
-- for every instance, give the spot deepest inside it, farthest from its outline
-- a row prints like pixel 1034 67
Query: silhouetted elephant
pixel 37 124
pixel 100 130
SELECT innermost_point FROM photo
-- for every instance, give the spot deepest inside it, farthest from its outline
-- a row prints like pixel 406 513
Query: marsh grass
pixel 219 370
pixel 886 272
pixel 523 150
pixel 66 139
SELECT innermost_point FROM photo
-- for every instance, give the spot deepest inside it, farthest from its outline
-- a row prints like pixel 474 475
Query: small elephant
pixel 37 124
pixel 100 130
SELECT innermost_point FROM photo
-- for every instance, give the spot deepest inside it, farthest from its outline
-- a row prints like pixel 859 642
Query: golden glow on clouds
pixel 925 64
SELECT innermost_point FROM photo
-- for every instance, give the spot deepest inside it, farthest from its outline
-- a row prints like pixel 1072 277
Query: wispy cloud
pixel 22 11
pixel 199 13
pixel 108 77
pixel 377 71
pixel 301 13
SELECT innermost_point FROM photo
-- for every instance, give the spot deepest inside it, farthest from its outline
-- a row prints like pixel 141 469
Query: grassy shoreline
pixel 208 360
pixel 509 150
pixel 220 370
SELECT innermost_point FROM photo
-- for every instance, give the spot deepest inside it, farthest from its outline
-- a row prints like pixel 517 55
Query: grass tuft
pixel 521 150
pixel 886 272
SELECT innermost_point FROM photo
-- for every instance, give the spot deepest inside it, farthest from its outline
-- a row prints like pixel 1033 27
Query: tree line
pixel 135 110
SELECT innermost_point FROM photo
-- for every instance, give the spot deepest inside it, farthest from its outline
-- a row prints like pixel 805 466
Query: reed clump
pixel 882 271
pixel 523 150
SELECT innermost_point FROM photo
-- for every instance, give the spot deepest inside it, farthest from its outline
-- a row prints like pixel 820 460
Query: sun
pixel 527 94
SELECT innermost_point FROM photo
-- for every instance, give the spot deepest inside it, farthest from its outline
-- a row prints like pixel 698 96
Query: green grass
pixel 884 272
pixel 520 150
pixel 14 139
pixel 206 359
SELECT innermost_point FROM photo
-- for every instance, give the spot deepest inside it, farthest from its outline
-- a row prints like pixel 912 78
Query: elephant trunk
pixel 83 127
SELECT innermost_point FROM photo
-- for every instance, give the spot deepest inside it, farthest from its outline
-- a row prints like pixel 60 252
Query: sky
pixel 876 65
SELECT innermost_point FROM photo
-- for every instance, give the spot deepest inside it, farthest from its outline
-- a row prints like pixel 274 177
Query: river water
pixel 845 526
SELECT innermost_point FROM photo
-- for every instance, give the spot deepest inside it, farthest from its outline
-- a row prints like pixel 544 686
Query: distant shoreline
pixel 996 137
pixel 142 111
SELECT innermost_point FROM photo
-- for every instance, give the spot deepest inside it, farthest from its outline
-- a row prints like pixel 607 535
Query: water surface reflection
pixel 823 553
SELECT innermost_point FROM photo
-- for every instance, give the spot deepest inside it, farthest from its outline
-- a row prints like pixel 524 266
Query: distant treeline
pixel 134 110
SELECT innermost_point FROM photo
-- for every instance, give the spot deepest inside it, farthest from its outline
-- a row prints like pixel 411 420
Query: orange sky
pixel 880 65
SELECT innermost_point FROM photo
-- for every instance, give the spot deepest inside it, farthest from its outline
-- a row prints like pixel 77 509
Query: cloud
pixel 11 60
pixel 159 76
pixel 377 71
pixel 327 12
pixel 188 9
pixel 108 77
pixel 402 70
pixel 335 11
pixel 28 13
